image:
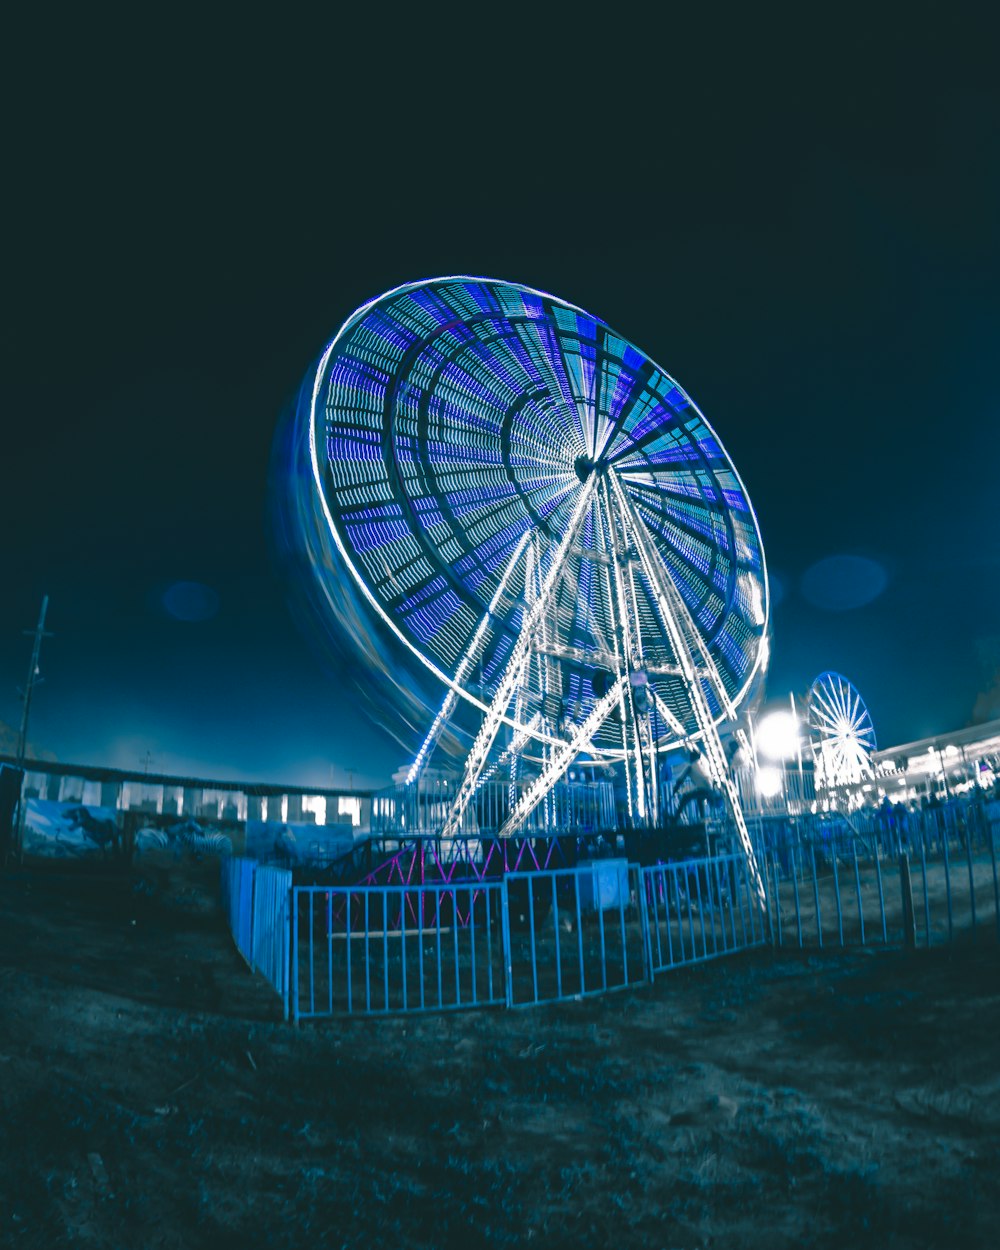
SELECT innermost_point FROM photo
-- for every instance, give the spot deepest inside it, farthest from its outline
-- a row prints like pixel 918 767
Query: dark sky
pixel 798 217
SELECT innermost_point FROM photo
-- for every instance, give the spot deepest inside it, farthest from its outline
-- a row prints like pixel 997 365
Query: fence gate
pixel 700 909
pixel 573 932
pixel 396 948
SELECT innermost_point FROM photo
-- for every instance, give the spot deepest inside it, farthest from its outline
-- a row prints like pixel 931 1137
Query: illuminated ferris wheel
pixel 840 730
pixel 549 524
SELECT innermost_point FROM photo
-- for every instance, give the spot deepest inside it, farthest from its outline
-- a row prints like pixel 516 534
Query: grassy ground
pixel 150 1096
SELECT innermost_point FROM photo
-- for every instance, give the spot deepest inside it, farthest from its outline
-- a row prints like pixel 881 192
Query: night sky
pixel 799 221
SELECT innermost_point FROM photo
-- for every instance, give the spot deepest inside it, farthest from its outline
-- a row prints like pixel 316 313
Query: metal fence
pixel 567 932
pixel 396 948
pixel 573 932
pixel 237 900
pixel 700 909
pixel 940 883
pixel 270 936
pixel 256 902
pixel 528 938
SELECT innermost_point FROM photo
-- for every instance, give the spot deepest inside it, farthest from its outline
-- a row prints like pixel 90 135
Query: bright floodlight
pixel 769 781
pixel 778 736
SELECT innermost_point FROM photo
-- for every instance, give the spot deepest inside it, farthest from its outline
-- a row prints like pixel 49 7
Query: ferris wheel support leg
pixel 464 667
pixel 514 672
pixel 635 732
pixel 644 731
pixel 654 569
pixel 560 760
pixel 679 626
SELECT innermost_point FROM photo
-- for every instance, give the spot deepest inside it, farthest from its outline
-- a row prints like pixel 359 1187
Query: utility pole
pixel 33 678
pixel 39 632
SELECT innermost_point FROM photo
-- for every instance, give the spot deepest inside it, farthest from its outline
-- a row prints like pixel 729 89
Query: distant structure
pixel 945 765
pixel 840 731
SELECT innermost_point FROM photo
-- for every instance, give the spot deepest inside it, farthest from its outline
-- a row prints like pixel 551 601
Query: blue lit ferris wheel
pixel 546 520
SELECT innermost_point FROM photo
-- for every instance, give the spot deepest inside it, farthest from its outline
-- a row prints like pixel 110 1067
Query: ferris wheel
pixel 547 522
pixel 840 730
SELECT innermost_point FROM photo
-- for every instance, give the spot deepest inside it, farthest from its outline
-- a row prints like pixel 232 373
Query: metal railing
pixel 700 909
pixel 425 806
pixel 237 900
pixel 270 936
pixel 396 948
pixel 573 932
pixel 557 933
pixel 256 900
pixel 926 890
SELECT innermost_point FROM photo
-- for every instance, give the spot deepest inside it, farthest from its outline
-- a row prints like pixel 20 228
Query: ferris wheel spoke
pixel 855 716
pixel 514 671
pixel 826 701
pixel 465 666
pixel 562 757
pixel 674 611
pixel 693 505
pixel 672 429
pixel 710 541
pixel 617 423
pixel 554 349
pixel 693 574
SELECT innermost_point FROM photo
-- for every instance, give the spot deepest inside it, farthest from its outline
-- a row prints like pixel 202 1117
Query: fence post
pixel 857 885
pixel 286 947
pixel 647 941
pixel 972 879
pixel 295 955
pixel 836 892
pixel 947 887
pixel 819 922
pixel 881 897
pixel 508 958
pixel 798 913
pixel 923 879
pixel 909 920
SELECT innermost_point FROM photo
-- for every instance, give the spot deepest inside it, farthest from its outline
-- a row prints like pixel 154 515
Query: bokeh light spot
pixel 190 601
pixel 842 583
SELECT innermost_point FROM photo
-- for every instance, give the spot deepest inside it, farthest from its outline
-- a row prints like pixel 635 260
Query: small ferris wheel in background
pixel 840 731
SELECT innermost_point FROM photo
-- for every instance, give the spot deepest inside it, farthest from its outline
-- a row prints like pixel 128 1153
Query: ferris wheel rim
pixel 761 648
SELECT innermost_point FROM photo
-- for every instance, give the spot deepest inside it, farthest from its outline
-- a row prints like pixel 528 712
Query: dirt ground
pixel 150 1096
